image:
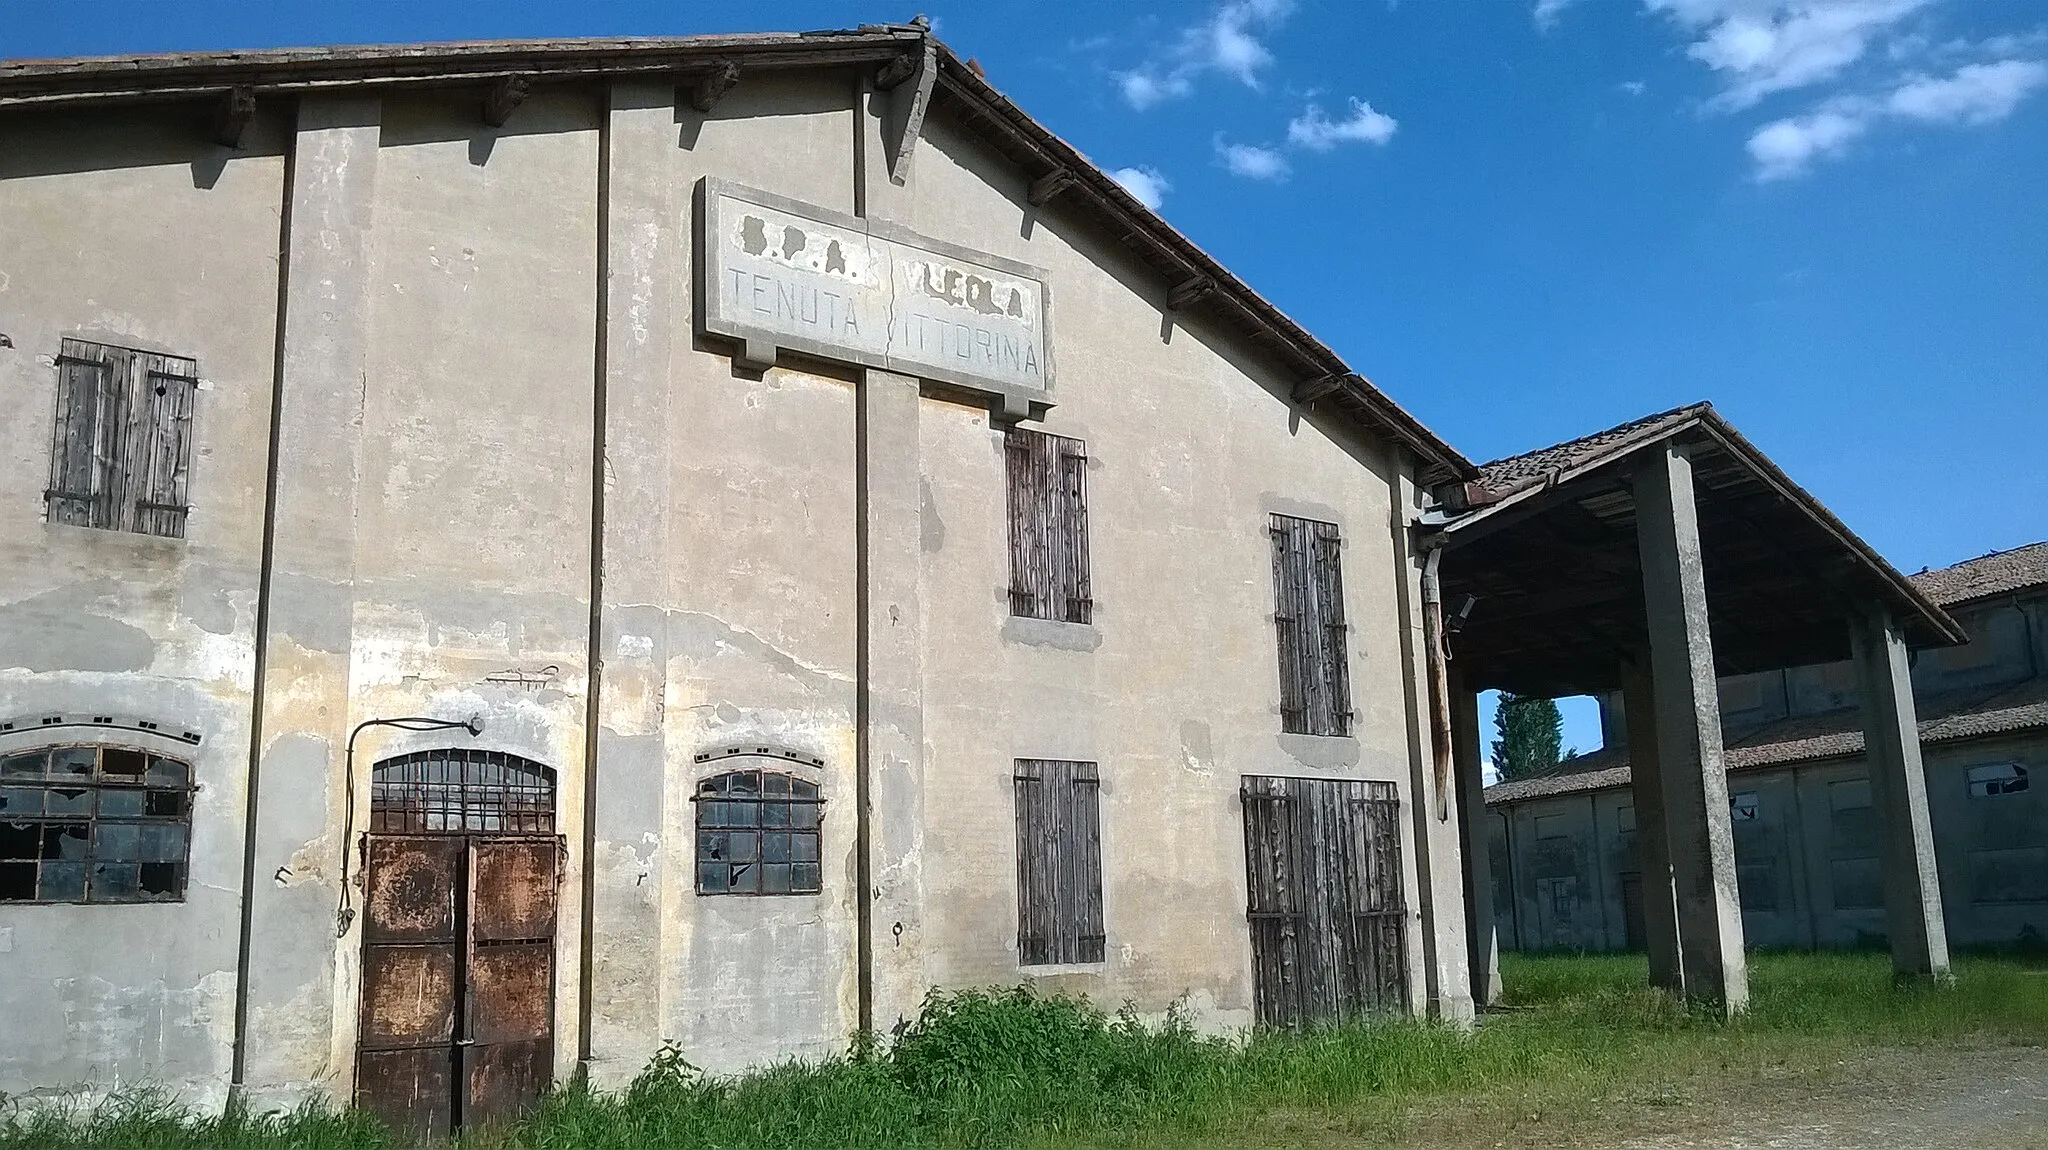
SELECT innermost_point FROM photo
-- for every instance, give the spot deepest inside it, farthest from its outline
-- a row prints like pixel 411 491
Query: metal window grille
pixel 1308 615
pixel 462 792
pixel 1048 505
pixel 757 833
pixel 121 443
pixel 1059 862
pixel 94 824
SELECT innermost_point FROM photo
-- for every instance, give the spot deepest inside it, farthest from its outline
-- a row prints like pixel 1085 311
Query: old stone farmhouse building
pixel 1562 844
pixel 513 554
pixel 517 553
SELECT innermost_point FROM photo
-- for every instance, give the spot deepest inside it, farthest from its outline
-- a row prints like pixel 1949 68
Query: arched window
pixel 94 824
pixel 461 792
pixel 757 833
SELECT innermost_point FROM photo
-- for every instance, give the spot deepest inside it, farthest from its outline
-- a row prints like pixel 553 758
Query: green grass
pixel 1007 1067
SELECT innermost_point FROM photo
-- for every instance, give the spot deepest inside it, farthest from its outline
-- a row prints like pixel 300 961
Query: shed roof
pixel 1999 573
pixel 1545 544
pixel 1945 718
pixel 1193 280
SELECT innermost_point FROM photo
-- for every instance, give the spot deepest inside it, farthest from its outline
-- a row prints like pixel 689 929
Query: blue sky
pixel 1523 219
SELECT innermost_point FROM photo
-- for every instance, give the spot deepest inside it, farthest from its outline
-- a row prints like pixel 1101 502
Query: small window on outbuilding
pixel 1994 779
pixel 1048 502
pixel 757 833
pixel 121 446
pixel 94 824
pixel 1059 863
pixel 1308 614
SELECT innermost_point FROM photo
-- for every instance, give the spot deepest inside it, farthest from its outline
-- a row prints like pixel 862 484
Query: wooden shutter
pixel 1059 863
pixel 1047 489
pixel 1309 624
pixel 1324 905
pixel 121 442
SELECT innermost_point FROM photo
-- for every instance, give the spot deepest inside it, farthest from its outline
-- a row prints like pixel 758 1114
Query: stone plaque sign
pixel 776 273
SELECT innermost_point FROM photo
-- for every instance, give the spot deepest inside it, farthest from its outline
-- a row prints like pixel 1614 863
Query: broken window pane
pixel 83 830
pixel 751 825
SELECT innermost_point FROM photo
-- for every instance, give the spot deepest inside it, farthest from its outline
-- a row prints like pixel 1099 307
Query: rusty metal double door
pixel 457 1024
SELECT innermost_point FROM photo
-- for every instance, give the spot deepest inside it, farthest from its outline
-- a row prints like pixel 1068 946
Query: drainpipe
pixel 1439 675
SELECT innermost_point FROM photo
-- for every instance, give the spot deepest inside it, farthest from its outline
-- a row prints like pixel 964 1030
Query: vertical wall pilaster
pixel 1439 899
pixel 1898 789
pixel 1482 947
pixel 648 263
pixel 1653 853
pixel 286 1040
pixel 1688 725
pixel 891 700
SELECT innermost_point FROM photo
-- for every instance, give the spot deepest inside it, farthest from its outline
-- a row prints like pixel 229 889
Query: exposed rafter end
pixel 1310 390
pixel 897 70
pixel 1049 185
pixel 712 86
pixel 507 94
pixel 1189 291
pixel 236 108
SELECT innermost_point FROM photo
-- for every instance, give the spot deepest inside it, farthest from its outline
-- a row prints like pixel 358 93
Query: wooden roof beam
pixel 232 115
pixel 505 95
pixel 713 84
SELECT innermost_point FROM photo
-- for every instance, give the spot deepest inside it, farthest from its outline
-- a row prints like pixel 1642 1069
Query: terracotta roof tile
pixel 1986 575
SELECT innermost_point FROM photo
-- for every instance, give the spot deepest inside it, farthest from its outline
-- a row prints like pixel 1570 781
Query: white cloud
pixel 1145 183
pixel 1253 163
pixel 1973 94
pixel 1634 87
pixel 1316 131
pixel 1547 12
pixel 1976 94
pixel 1227 42
pixel 1784 148
pixel 1765 46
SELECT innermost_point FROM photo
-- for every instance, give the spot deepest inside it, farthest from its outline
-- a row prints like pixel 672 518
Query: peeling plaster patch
pixel 48 633
pixel 6 940
pixel 1198 753
pixel 703 638
pixel 1050 633
pixel 636 646
pixel 1327 751
pixel 932 529
pixel 207 601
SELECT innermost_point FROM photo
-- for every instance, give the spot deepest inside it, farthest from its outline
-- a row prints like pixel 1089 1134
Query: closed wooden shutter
pixel 1310 627
pixel 1047 479
pixel 1324 901
pixel 1059 863
pixel 121 442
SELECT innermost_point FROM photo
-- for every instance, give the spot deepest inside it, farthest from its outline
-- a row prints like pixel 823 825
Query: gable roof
pixel 1998 573
pixel 1194 280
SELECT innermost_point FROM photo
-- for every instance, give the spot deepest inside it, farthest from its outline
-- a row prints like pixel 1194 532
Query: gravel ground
pixel 1915 1099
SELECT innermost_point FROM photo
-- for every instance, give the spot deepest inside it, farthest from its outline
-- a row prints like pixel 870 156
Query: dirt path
pixel 1915 1099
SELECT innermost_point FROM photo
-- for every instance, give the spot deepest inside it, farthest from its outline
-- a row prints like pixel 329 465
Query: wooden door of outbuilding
pixel 1325 906
pixel 457 1022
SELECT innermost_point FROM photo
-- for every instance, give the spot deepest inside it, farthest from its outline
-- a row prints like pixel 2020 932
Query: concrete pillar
pixel 1653 855
pixel 286 1042
pixel 648 261
pixel 891 698
pixel 1687 711
pixel 1482 947
pixel 1898 789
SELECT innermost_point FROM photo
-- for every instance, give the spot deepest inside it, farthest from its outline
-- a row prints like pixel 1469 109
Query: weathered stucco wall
pixel 121 227
pixel 493 399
